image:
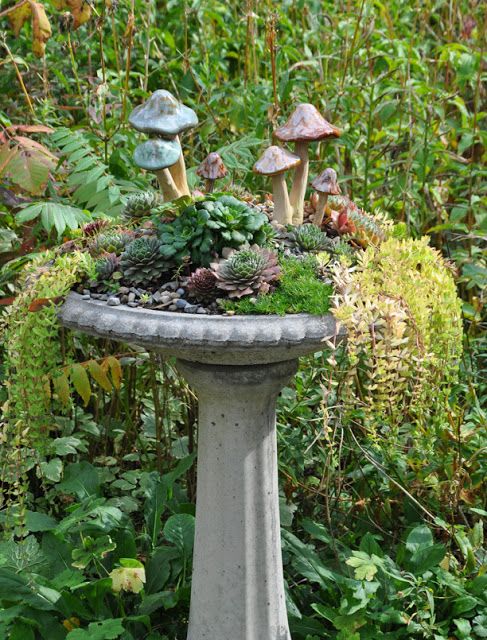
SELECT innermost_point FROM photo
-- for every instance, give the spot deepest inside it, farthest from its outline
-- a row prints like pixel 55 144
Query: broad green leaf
pixel 365 565
pixel 105 630
pixel 52 470
pixel 179 529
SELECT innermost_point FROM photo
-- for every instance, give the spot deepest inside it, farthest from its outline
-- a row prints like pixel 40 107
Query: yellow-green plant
pixel 30 333
pixel 403 318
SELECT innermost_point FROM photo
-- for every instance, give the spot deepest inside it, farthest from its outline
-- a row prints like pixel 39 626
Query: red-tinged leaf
pixel 23 128
pixel 6 155
pixel 115 370
pixel 61 387
pixel 99 375
pixel 40 303
pixel 29 169
pixel 32 145
pixel 80 381
pixel 6 301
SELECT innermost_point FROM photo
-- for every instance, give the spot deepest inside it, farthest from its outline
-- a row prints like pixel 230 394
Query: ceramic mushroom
pixel 162 116
pixel 212 168
pixel 305 125
pixel 274 162
pixel 159 155
pixel 326 185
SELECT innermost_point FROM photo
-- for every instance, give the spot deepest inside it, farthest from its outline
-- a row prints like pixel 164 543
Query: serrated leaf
pixel 364 565
pixel 80 381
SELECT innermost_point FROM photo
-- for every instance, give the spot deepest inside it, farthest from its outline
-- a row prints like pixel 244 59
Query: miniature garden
pixel 187 207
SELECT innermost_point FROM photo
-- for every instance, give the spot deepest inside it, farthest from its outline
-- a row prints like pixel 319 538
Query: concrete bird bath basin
pixel 237 365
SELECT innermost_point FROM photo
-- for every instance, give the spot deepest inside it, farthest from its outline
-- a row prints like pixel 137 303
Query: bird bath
pixel 237 365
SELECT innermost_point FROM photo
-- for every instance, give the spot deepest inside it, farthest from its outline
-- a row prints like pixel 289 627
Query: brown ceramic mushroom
pixel 212 168
pixel 274 162
pixel 305 125
pixel 326 185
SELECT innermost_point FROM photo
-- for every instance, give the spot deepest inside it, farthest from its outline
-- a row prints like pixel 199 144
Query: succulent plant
pixel 140 204
pixel 310 238
pixel 202 284
pixel 106 266
pixel 92 228
pixel 247 272
pixel 142 262
pixel 202 230
pixel 110 243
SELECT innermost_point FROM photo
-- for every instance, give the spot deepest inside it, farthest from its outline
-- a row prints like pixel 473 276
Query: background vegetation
pixel 382 531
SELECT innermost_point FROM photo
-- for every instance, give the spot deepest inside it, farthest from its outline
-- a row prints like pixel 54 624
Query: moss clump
pixel 299 291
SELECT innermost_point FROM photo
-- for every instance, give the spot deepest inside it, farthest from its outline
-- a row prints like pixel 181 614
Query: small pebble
pixel 166 298
pixel 96 296
pixel 157 297
pixel 201 311
pixel 180 291
pixel 173 308
pixel 181 304
pixel 174 295
pixel 191 308
pixel 85 296
pixel 123 290
pixel 171 285
pixel 86 292
pixel 104 297
pixel 132 304
pixel 113 301
pixel 131 297
pixel 124 299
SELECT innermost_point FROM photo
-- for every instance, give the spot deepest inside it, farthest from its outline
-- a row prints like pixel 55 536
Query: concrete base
pixel 237 589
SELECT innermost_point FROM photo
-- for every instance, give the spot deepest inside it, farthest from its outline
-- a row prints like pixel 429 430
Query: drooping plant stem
pixel 300 179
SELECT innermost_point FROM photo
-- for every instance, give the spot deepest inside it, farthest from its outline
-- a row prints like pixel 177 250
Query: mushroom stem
pixel 209 185
pixel 167 184
pixel 178 172
pixel 300 180
pixel 283 213
pixel 320 209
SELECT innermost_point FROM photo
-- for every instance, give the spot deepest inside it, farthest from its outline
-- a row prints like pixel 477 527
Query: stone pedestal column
pixel 237 589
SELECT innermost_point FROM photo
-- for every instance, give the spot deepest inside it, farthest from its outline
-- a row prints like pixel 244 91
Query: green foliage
pixel 110 242
pixel 106 266
pixel 310 238
pixel 140 204
pixel 299 291
pixel 54 215
pixel 419 594
pixel 403 317
pixel 93 186
pixel 247 272
pixel 203 229
pixel 142 262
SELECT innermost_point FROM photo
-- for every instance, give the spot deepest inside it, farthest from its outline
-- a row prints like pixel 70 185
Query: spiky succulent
pixel 142 262
pixel 92 228
pixel 310 238
pixel 202 284
pixel 370 228
pixel 106 266
pixel 247 272
pixel 140 204
pixel 110 243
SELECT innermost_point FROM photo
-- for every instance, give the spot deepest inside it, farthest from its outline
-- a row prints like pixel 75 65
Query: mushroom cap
pixel 276 160
pixel 163 115
pixel 156 154
pixel 212 167
pixel 306 124
pixel 326 182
